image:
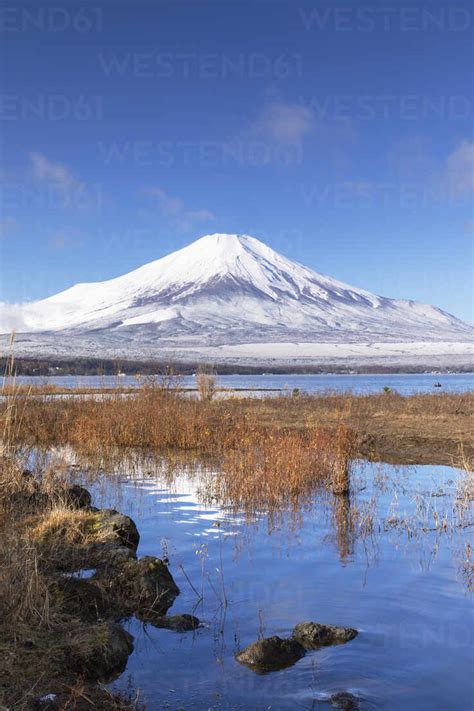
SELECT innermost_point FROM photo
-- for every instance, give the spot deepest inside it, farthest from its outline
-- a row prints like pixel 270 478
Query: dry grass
pixel 38 539
pixel 34 625
pixel 429 428
pixel 279 469
pixel 28 614
pixel 270 450
pixel 417 429
pixel 23 591
pixel 206 385
pixel 261 462
pixel 71 526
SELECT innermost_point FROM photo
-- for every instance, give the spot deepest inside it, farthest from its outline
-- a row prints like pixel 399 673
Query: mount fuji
pixel 225 291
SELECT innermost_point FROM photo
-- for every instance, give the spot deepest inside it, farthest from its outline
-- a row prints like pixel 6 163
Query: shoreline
pixel 83 639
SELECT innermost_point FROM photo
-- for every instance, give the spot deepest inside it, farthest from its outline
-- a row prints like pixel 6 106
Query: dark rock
pixel 86 599
pixel 312 634
pixel 177 623
pixel 118 526
pixel 31 499
pixel 108 557
pixel 101 651
pixel 147 584
pixel 142 587
pixel 113 556
pixel 271 654
pixel 74 497
pixel 344 700
pixel 77 497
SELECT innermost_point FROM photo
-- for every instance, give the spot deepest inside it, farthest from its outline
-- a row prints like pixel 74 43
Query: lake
pixel 405 384
pixel 392 561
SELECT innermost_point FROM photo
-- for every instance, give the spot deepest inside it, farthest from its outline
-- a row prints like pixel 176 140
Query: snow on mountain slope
pixel 234 289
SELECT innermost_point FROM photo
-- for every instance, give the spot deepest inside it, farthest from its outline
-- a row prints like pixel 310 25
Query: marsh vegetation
pixel 283 461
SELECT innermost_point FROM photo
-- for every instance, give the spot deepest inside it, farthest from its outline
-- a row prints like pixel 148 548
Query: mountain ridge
pixel 231 289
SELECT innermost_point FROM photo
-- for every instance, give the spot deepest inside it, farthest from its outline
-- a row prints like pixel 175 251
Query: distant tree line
pixel 102 366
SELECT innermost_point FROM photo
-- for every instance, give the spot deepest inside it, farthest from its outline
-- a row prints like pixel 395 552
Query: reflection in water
pixel 383 500
pixel 251 575
pixel 342 517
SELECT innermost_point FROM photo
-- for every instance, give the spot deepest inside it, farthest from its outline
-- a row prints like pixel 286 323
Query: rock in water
pixel 148 586
pixel 271 654
pixel 100 651
pixel 312 634
pixel 116 525
pixel 177 623
pixel 344 700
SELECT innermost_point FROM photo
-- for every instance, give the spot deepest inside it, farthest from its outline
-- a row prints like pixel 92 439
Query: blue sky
pixel 338 133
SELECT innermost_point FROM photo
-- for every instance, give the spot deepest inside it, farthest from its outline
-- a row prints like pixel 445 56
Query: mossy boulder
pixel 271 654
pixel 113 556
pixel 146 586
pixel 100 651
pixel 312 634
pixel 116 527
pixel 29 499
pixel 80 597
pixel 75 497
pixel 32 496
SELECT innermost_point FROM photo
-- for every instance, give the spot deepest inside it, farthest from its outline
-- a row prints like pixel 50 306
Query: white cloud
pixel 459 170
pixel 73 192
pixel 11 317
pixel 55 174
pixel 284 123
pixel 168 205
pixel 175 209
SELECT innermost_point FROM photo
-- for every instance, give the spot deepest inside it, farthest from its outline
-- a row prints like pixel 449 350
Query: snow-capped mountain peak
pixel 231 288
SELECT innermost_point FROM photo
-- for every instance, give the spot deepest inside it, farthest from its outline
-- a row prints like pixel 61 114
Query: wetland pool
pixel 391 560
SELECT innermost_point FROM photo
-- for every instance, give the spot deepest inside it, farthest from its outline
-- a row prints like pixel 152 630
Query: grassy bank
pixel 416 429
pixel 47 644
pixel 53 651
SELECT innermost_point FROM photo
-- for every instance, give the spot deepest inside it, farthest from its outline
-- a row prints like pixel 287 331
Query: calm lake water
pixel 364 562
pixel 405 384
